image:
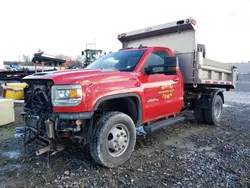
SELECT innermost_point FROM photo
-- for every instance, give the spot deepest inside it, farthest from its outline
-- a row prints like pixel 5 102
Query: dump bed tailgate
pixel 212 72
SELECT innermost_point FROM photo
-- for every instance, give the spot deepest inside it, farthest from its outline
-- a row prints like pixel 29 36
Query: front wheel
pixel 113 139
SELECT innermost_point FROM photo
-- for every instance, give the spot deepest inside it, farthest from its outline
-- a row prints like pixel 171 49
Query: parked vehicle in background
pixel 15 72
pixel 11 85
pixel 160 72
pixel 90 56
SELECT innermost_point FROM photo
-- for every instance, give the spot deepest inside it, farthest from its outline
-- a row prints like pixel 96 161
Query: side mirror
pixel 168 68
pixel 82 52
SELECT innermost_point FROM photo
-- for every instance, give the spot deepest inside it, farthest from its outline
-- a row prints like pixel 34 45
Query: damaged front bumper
pixel 52 133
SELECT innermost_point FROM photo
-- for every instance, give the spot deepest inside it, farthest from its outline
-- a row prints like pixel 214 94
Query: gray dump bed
pixel 181 37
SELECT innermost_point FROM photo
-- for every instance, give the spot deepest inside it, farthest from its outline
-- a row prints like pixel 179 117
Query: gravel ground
pixel 183 155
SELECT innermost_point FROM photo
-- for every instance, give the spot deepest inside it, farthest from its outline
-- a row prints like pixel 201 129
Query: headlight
pixel 66 95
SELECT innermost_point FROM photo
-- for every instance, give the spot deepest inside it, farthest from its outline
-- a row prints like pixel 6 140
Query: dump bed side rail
pixel 215 73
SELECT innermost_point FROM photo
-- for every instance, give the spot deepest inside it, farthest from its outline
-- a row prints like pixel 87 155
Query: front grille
pixel 37 97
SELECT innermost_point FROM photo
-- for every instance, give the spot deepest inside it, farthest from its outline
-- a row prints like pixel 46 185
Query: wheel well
pixel 221 95
pixel 206 97
pixel 127 105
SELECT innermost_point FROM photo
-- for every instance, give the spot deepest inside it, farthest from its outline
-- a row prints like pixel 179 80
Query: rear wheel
pixel 113 139
pixel 213 115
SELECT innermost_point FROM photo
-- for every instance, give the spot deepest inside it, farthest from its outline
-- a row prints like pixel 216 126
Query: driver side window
pixel 156 58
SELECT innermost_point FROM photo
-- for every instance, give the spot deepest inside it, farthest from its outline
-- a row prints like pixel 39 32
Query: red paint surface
pixel 97 84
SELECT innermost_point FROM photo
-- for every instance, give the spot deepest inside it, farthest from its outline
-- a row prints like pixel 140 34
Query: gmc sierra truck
pixel 159 73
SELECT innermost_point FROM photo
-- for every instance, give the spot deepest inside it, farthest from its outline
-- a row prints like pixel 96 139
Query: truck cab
pixel 152 87
pixel 139 89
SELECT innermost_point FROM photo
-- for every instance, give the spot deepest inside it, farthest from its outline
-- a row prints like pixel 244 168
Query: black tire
pixel 210 114
pixel 100 135
pixel 199 115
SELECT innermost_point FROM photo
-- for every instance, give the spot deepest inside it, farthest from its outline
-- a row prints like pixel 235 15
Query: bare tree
pixel 79 58
pixel 62 56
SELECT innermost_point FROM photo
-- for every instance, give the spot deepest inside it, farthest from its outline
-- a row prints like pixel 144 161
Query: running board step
pixel 163 123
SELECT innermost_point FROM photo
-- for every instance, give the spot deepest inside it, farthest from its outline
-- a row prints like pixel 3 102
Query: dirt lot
pixel 184 155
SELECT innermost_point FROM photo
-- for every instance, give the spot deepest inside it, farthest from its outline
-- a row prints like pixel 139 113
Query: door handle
pixel 176 79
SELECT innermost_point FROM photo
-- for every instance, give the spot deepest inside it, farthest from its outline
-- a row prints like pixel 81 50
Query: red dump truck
pixel 160 72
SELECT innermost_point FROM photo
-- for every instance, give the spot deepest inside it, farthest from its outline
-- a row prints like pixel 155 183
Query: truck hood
pixel 75 76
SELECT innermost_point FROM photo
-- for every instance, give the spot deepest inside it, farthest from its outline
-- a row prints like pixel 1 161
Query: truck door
pixel 163 93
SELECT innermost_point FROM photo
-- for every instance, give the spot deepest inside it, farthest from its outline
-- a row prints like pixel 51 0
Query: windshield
pixel 123 61
pixel 91 55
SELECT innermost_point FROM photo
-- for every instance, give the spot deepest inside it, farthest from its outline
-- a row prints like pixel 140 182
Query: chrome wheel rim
pixel 117 140
pixel 217 110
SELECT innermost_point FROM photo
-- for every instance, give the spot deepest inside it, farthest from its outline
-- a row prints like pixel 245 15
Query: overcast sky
pixel 63 27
